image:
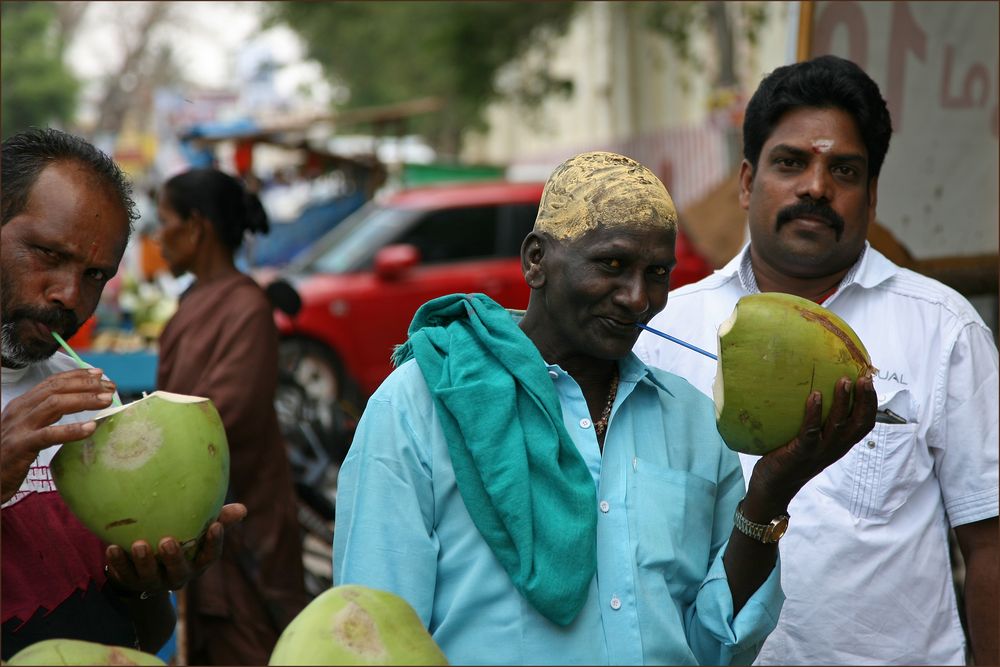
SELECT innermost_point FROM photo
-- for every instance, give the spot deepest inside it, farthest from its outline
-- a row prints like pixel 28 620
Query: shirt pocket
pixel 879 473
pixel 672 514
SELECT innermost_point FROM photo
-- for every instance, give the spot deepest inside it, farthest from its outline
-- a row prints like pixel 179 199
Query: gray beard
pixel 14 354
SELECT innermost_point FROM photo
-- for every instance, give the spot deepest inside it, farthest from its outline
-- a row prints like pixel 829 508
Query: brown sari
pixel 222 343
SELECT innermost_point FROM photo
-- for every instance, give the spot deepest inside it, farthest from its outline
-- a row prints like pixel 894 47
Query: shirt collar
pixel 12 375
pixel 871 269
pixel 631 369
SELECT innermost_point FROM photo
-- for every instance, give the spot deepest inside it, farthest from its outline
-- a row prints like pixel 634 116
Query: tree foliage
pixel 679 21
pixel 389 52
pixel 37 88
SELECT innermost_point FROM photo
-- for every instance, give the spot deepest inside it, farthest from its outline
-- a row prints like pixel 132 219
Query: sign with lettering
pixel 936 63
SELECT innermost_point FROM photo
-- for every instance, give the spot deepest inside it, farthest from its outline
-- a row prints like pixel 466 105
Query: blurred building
pixel 935 62
pixel 632 93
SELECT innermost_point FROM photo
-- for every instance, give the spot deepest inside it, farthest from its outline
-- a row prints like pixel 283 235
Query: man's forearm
pixel 748 562
pixel 980 545
pixel 981 595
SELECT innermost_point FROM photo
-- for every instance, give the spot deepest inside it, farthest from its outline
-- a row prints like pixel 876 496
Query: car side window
pixel 516 221
pixel 455 234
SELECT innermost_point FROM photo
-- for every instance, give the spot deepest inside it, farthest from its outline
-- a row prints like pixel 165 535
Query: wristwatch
pixel 768 533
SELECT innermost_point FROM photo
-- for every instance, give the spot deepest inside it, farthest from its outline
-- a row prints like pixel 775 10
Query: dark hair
pixel 222 199
pixel 26 154
pixel 823 82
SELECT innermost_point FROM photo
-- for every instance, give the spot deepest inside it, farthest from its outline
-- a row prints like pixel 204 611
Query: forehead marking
pixel 822 145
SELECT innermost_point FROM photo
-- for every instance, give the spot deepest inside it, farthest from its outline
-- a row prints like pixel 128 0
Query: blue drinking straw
pixel 677 340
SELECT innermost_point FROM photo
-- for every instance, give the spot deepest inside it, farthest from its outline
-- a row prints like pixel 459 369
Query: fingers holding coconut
pixel 139 573
pixel 22 442
pixel 169 567
pixel 68 393
pixel 785 470
pixel 28 422
pixel 151 572
pixel 176 566
pixel 232 513
pixel 210 547
pixel 851 417
pixel 32 416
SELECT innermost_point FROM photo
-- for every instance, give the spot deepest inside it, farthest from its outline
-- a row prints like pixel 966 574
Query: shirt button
pixel 616 604
pixel 553 375
pixel 584 423
pixel 605 506
pixel 871 444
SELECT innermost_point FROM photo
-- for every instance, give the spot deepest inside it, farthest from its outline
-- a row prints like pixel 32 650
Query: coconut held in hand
pixel 154 468
pixel 357 625
pixel 773 351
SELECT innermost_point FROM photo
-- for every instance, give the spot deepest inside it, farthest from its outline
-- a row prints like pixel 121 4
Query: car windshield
pixel 351 245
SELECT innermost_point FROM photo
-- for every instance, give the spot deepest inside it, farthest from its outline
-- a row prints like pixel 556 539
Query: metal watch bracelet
pixel 767 533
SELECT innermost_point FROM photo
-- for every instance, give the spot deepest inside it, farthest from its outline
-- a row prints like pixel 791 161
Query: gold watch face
pixel 776 529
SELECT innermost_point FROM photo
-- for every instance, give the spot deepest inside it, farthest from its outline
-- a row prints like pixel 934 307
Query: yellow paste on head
pixel 600 188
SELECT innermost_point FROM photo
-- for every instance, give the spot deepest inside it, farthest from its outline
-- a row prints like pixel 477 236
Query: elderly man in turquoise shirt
pixel 538 494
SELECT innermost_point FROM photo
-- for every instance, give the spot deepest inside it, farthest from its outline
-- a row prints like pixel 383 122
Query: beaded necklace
pixel 601 424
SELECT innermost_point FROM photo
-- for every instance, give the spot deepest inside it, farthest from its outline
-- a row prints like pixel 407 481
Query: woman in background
pixel 222 343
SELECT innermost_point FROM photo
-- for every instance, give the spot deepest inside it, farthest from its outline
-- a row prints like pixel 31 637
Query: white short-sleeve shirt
pixel 865 561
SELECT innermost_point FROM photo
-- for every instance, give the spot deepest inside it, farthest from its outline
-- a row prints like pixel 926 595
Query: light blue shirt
pixel 667 488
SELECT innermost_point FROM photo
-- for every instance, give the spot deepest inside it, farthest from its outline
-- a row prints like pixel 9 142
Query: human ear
pixel 746 184
pixel 872 199
pixel 532 252
pixel 199 226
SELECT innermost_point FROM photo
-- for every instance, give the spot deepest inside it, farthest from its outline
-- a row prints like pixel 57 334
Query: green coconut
pixel 78 652
pixel 774 350
pixel 153 468
pixel 356 625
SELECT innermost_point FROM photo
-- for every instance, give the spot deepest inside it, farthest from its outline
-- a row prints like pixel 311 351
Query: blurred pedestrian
pixel 222 343
pixel 867 575
pixel 66 217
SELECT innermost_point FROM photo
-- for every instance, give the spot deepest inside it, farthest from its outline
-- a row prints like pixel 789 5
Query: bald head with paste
pixel 598 261
pixel 601 188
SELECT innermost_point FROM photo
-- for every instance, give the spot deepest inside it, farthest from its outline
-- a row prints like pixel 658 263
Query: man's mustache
pixel 63 322
pixel 811 209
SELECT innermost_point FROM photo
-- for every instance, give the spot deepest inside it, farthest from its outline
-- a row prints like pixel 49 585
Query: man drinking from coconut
pixel 66 218
pixel 539 495
pixel 866 558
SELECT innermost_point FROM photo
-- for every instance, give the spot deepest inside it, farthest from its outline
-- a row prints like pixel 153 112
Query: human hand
pixel 29 421
pixel 779 474
pixel 142 571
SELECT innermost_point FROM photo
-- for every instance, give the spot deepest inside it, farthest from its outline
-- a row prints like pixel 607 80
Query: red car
pixel 361 284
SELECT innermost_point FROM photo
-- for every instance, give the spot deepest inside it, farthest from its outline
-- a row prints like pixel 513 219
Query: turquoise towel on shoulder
pixel 521 477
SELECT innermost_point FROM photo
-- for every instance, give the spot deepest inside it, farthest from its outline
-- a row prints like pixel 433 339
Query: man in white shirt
pixel 866 573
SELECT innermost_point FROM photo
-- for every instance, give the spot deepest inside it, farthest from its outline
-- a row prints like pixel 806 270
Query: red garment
pixel 222 343
pixel 52 567
pixel 68 559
